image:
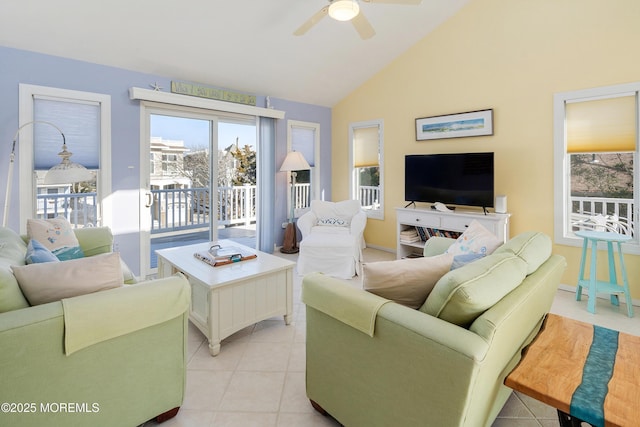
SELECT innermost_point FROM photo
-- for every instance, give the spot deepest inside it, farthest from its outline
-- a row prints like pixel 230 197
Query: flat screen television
pixel 453 179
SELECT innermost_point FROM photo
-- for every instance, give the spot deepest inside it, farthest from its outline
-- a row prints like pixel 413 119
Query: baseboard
pixel 381 248
pixel 573 289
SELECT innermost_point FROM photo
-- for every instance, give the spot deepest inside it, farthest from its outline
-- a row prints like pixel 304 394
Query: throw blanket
pixel 349 305
pixel 97 317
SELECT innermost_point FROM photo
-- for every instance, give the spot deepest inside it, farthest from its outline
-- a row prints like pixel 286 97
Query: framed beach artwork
pixel 472 123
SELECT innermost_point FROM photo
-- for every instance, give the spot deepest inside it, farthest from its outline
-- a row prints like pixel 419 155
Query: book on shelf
pixel 413 239
pixel 422 233
pixel 218 255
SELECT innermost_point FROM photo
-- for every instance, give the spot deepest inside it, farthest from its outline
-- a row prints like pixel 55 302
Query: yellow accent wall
pixel 509 55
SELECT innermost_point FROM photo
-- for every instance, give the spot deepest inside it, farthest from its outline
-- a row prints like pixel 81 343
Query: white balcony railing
pixel 370 196
pixel 174 210
pixel 181 209
pixel 78 208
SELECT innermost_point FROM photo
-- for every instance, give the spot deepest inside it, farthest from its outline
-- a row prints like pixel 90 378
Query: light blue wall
pixel 17 66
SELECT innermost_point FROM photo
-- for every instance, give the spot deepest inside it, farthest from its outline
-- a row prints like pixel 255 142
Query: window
pixel 304 137
pixel 596 149
pixel 85 120
pixel 366 141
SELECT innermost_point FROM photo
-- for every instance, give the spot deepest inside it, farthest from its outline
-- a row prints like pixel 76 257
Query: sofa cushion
pixel 57 235
pixel 405 281
pixel 12 252
pixel 533 247
pixel 462 295
pixel 52 281
pixel 94 240
pixel 475 239
pixel 36 252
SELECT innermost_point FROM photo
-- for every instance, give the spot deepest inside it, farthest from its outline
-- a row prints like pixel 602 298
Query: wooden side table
pixel 587 372
pixel 594 285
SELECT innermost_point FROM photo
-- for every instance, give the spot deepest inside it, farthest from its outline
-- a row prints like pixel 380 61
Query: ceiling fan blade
pixel 416 2
pixel 363 26
pixel 312 21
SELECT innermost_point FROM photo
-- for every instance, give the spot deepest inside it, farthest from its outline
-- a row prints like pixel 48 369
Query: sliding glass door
pixel 199 179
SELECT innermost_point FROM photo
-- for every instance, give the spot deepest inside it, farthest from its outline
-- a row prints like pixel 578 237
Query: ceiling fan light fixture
pixel 344 10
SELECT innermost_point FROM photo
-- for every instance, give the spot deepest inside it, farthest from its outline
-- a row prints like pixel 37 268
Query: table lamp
pixel 65 172
pixel 294 161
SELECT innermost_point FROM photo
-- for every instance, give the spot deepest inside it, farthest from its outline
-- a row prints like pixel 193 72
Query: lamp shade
pixel 344 10
pixel 67 172
pixel 294 161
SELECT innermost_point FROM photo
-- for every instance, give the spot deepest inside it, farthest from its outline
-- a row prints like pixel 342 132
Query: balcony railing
pixel 188 208
pixel 78 208
pixel 184 209
pixel 370 196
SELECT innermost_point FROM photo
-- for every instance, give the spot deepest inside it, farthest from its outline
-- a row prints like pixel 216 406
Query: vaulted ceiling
pixel 244 45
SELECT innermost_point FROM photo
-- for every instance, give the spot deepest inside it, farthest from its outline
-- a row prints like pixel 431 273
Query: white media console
pixel 448 221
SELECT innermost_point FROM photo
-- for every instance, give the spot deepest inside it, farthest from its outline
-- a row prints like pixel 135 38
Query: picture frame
pixel 460 125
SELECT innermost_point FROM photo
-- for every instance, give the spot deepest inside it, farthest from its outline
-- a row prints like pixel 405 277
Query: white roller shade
pixel 303 140
pixel 80 123
pixel 366 147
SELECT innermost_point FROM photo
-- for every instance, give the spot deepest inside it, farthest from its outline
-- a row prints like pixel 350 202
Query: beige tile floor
pixel 258 377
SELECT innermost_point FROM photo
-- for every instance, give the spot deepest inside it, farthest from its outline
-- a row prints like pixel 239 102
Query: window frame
pixel 353 178
pixel 562 201
pixel 27 187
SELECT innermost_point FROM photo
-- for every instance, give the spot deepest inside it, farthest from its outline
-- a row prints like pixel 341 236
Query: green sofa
pixel 130 367
pixel 441 365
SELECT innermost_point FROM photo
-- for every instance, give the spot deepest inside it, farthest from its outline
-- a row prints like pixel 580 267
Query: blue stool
pixel 594 285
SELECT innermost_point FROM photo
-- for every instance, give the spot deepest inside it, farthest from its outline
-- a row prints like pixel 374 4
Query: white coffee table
pixel 228 298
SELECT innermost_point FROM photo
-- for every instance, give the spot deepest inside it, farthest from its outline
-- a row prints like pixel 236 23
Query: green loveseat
pixel 441 365
pixel 129 367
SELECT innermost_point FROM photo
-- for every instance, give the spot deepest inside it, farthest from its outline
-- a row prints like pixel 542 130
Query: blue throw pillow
pixel 36 252
pixel 464 259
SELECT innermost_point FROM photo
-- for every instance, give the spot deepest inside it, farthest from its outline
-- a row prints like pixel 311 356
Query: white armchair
pixel 600 222
pixel 332 240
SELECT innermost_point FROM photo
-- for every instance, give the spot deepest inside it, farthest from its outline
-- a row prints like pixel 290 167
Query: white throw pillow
pixel 52 281
pixel 405 281
pixel 334 222
pixel 475 240
pixel 57 235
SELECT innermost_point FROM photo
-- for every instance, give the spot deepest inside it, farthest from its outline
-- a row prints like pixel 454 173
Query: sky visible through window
pixel 195 132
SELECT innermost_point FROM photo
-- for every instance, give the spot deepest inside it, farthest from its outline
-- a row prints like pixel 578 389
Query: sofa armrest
pixel 437 245
pixel 433 329
pixel 117 374
pixel 91 318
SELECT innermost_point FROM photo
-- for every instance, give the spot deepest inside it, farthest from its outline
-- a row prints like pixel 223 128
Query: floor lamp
pixel 65 172
pixel 294 161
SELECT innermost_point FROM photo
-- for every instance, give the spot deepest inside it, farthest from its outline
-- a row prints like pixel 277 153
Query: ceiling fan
pixel 348 10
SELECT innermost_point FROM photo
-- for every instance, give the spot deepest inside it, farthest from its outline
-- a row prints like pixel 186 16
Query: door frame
pixel 147 109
